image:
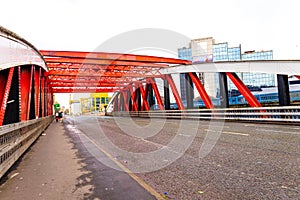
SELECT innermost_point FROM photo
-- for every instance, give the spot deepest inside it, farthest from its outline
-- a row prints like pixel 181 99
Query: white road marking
pixel 231 133
pixel 235 133
pixel 274 131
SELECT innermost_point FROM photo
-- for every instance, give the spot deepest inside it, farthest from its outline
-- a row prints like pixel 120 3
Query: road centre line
pixel 274 131
pixel 228 132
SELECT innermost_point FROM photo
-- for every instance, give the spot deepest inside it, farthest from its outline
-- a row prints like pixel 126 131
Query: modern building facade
pixel 206 50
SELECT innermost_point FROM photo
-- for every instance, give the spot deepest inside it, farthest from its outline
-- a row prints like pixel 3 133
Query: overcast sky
pixel 84 24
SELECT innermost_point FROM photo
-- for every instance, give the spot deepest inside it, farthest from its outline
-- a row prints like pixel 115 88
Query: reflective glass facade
pixel 185 53
pixel 256 79
pixel 234 53
pixel 262 55
pixel 221 52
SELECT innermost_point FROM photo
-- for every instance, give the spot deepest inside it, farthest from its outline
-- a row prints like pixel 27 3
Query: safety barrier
pixel 263 114
pixel 16 138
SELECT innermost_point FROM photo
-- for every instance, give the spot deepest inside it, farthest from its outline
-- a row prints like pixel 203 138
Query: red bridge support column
pixel 144 93
pixel 156 93
pixel 42 114
pixel 5 93
pixel 253 102
pixel 126 99
pixel 26 87
pixel 207 101
pixel 175 92
pixel 37 86
pixel 133 98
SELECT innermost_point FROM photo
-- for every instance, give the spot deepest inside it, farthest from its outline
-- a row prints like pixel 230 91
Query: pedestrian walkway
pixel 58 166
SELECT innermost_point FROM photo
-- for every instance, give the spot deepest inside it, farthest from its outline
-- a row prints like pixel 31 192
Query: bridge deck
pixel 248 161
pixel 58 166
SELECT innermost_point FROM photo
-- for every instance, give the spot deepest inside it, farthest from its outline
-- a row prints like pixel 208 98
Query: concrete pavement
pixel 58 166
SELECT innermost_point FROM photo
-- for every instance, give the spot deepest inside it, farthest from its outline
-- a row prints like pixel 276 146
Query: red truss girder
pixel 113 56
pixel 5 94
pixel 253 102
pixel 71 71
pixel 105 74
pixel 86 84
pixel 175 92
pixel 72 79
pixel 93 71
pixel 82 68
pixel 207 101
pixel 33 97
pixel 100 63
pixel 81 90
pixel 156 92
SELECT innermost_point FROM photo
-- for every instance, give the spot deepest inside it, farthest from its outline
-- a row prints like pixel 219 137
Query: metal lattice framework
pixel 78 72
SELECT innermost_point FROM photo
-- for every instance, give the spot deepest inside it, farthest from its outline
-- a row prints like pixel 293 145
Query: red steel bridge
pixel 29 77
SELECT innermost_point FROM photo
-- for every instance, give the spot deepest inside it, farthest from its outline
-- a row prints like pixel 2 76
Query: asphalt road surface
pixel 123 158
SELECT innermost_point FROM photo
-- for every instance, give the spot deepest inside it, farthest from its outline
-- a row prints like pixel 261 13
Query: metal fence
pixel 16 138
pixel 289 114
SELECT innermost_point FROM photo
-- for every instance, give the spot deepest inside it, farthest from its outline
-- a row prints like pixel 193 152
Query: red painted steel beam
pixel 26 85
pixel 43 95
pixel 133 98
pixel 71 90
pixel 114 80
pixel 102 74
pixel 157 95
pixel 37 75
pixel 100 63
pixel 175 92
pixel 82 68
pixel 144 93
pixel 126 101
pixel 5 95
pixel 112 56
pixel 86 84
pixel 3 80
pixel 253 102
pixel 207 101
pixel 94 79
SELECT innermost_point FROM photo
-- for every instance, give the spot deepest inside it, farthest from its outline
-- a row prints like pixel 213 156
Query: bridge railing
pixel 263 114
pixel 16 138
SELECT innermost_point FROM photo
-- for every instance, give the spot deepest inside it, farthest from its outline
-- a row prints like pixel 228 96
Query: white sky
pixel 83 25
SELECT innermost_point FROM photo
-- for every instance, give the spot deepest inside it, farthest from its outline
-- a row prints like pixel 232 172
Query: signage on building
pixel 202 59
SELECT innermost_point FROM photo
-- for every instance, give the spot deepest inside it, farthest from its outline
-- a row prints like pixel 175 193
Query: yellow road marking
pixel 130 173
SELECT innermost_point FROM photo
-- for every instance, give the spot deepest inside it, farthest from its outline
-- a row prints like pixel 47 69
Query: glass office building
pixel 262 55
pixel 185 53
pixel 256 79
pixel 221 52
